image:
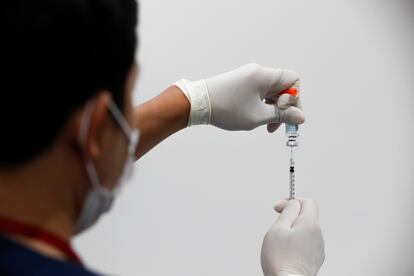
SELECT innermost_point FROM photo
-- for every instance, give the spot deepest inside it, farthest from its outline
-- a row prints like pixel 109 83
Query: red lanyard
pixel 11 226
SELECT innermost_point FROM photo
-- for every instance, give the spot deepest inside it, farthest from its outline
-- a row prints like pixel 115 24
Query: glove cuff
pixel 197 94
pixel 284 273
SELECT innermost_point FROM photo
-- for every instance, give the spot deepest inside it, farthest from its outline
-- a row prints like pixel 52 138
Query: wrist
pixel 197 94
pixel 284 273
pixel 161 117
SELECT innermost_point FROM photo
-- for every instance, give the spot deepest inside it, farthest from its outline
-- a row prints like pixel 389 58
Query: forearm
pixel 161 117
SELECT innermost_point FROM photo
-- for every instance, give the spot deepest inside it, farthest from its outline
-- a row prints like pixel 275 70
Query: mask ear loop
pixel 85 122
pixel 83 136
pixel 132 134
pixel 119 117
pixel 133 141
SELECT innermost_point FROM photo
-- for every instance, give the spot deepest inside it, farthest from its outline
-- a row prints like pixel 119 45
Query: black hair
pixel 54 56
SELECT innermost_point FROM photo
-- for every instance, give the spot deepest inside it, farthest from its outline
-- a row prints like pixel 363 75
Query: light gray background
pixel 201 201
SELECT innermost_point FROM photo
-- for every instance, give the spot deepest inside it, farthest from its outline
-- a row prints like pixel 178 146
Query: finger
pixel 298 103
pixel 273 127
pixel 268 113
pixel 289 214
pixel 282 79
pixel 292 115
pixel 285 101
pixel 309 211
pixel 285 98
pixel 280 205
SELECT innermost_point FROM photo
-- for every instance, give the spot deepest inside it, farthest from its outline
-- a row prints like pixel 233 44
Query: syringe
pixel 292 132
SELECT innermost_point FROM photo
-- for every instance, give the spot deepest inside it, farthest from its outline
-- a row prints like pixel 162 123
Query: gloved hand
pixel 294 244
pixel 236 100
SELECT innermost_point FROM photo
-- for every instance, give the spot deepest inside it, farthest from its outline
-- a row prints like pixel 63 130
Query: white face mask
pixel 99 199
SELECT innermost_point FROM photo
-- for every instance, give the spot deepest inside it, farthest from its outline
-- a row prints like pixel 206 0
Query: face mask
pixel 99 199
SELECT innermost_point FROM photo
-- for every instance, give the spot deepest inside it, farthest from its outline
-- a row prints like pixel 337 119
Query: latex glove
pixel 294 244
pixel 236 100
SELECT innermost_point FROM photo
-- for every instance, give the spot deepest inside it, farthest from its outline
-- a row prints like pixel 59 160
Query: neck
pixel 43 193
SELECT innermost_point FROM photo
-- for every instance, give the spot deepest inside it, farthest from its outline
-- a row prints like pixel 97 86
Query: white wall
pixel 202 200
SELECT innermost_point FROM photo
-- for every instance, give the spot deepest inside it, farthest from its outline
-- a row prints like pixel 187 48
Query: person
pixel 70 132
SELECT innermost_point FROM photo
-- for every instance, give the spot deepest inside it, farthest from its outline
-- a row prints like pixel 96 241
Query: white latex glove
pixel 294 244
pixel 235 100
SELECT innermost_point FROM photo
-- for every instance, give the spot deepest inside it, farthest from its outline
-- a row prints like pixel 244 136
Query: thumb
pixel 280 205
pixel 293 116
pixel 289 214
pixel 285 101
pixel 270 113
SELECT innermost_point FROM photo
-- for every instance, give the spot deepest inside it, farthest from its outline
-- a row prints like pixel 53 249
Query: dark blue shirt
pixel 16 259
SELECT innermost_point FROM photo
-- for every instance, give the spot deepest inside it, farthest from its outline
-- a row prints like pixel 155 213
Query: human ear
pixel 94 118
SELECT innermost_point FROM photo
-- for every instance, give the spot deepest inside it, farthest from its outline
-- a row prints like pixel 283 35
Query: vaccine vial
pixel 292 133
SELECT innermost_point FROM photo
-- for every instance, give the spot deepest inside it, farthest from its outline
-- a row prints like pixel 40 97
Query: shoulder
pixel 16 259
